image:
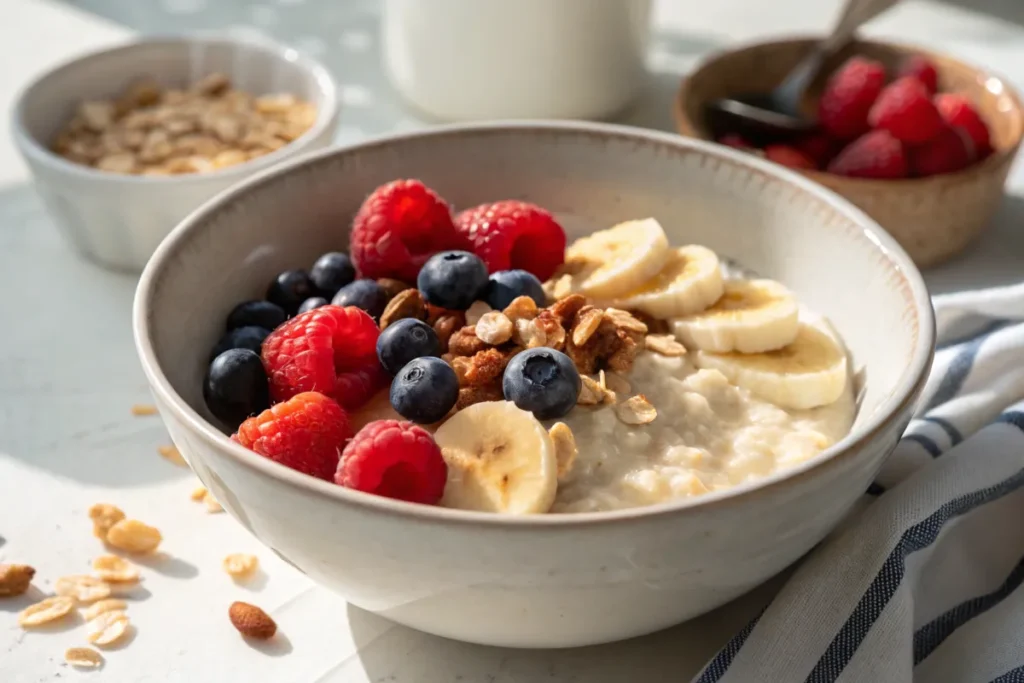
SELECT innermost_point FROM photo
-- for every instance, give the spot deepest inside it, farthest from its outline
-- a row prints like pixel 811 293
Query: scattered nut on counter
pixel 155 131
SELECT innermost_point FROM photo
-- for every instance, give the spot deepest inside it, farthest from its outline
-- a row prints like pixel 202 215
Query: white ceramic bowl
pixel 549 580
pixel 118 220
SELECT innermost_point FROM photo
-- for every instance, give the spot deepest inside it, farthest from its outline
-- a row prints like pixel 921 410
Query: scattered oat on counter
pixel 172 454
pixel 15 579
pixel 133 536
pixel 240 565
pixel 212 506
pixel 83 657
pixel 108 605
pixel 115 569
pixel 107 628
pixel 251 621
pixel 156 131
pixel 143 409
pixel 46 610
pixel 198 493
pixel 104 516
pixel 82 587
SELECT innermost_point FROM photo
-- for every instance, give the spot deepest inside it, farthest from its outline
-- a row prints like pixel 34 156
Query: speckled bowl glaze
pixel 933 218
pixel 546 580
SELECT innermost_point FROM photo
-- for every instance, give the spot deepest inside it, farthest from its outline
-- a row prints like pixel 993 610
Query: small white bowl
pixel 552 580
pixel 118 220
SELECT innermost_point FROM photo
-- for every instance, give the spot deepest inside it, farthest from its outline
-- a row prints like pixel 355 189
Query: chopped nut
pixel 212 506
pixel 477 394
pixel 550 325
pixel 486 367
pixel 172 454
pixel 198 493
pixel 625 320
pixel 98 608
pixel 142 409
pixel 133 536
pixel 637 410
pixel 476 311
pixel 82 587
pixel 107 628
pixel 15 579
pixel 465 342
pixel 528 334
pixel 240 565
pixel 493 328
pixel 393 287
pixel 406 304
pixel 104 516
pixel 565 447
pixel 567 308
pixel 522 307
pixel 445 326
pixel 251 621
pixel 665 344
pixel 615 383
pixel 114 568
pixel 461 365
pixel 46 610
pixel 587 322
pixel 83 657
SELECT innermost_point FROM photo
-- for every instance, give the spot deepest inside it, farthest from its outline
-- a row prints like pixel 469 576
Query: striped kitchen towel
pixel 923 583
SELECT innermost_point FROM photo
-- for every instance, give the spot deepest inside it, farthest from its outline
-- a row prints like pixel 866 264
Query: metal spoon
pixel 776 115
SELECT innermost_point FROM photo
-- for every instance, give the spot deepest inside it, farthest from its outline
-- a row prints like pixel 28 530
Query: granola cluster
pixel 149 130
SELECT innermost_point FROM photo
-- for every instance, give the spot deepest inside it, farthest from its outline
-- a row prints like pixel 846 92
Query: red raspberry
pixel 306 433
pixel 734 140
pixel 332 350
pixel 922 69
pixel 905 109
pixel 394 459
pixel 398 227
pixel 950 150
pixel 513 234
pixel 958 111
pixel 848 96
pixel 873 155
pixel 789 156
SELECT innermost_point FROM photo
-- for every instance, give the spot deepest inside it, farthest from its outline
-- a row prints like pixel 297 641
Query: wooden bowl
pixel 933 218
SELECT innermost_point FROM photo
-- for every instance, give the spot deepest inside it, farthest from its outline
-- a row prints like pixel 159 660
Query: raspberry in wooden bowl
pixel 919 140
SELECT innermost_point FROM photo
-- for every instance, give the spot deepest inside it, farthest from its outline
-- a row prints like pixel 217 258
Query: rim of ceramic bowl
pixel 990 78
pixel 326 115
pixel 902 394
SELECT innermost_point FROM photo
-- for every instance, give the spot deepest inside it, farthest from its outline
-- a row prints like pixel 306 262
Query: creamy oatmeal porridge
pixel 709 435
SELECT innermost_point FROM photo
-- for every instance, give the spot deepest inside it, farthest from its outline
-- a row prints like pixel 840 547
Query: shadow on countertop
pixel 69 372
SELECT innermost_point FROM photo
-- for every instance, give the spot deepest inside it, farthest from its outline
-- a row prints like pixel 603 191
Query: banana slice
pixel 808 373
pixel 752 316
pixel 500 459
pixel 689 282
pixel 620 259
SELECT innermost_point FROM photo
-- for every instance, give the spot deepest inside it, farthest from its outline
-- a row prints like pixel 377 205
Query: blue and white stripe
pixel 925 584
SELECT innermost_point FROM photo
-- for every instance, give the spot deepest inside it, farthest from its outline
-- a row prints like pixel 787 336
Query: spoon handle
pixel 855 14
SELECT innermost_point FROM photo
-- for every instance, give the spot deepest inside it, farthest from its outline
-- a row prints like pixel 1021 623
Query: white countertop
pixel 69 375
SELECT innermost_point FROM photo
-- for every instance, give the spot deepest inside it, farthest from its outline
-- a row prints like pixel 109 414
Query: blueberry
pixel 506 285
pixel 331 272
pixel 249 337
pixel 404 341
pixel 452 279
pixel 256 313
pixel 311 303
pixel 543 381
pixel 366 294
pixel 290 289
pixel 236 386
pixel 425 390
